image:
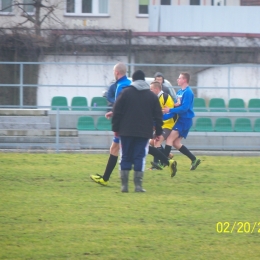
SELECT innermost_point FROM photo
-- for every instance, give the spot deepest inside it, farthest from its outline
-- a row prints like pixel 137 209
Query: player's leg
pixel 183 133
pixel 127 150
pixel 139 155
pixel 111 164
pixel 165 161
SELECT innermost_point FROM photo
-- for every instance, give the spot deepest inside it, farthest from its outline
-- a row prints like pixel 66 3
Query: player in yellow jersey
pixel 165 100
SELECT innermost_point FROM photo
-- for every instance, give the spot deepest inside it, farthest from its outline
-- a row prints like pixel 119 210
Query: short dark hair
pixel 186 75
pixel 138 75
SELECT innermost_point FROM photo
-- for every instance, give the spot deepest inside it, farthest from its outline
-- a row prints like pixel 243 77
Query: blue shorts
pixel 183 126
pixel 116 140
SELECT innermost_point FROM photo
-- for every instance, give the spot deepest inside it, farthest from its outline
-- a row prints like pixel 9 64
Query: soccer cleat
pixel 98 179
pixel 194 164
pixel 157 166
pixel 173 167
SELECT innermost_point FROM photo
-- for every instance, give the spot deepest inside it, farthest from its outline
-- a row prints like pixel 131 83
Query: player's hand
pixel 165 110
pixel 109 114
pixel 157 138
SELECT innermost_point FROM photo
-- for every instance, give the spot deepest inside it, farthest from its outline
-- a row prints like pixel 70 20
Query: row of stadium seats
pixel 86 123
pixel 79 103
pixel 204 124
pixel 215 104
pixel 234 105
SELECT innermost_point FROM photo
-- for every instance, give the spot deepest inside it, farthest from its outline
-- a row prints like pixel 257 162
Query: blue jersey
pixel 121 84
pixel 185 98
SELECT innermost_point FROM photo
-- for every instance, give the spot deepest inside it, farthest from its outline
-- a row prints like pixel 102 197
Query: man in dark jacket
pixel 136 111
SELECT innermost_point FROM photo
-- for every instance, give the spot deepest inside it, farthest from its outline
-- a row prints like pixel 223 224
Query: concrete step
pixel 37 139
pixel 24 119
pixel 5 125
pixel 40 146
pixel 23 112
pixel 34 132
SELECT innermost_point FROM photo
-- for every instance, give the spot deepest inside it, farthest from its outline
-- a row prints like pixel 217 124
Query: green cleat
pixel 194 164
pixel 157 166
pixel 173 167
pixel 98 179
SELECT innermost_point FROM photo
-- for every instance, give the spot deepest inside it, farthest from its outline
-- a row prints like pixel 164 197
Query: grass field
pixel 50 209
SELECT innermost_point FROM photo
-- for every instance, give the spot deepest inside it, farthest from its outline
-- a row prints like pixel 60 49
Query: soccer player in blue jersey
pixel 184 108
pixel 121 82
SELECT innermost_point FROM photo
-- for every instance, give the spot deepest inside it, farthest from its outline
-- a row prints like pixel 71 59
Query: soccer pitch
pixel 50 209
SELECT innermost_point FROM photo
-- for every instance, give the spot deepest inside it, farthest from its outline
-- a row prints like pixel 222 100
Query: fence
pixel 208 81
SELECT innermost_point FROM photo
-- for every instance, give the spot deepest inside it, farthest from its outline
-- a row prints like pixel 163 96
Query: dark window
pixel 143 6
pixel 194 2
pixel 70 6
pixel 165 2
pixel 87 6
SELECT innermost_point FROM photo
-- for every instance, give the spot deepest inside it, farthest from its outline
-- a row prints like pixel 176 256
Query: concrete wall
pixel 94 78
pixel 241 80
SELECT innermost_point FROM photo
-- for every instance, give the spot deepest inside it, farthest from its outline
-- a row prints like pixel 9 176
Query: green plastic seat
pixel 86 123
pixel 199 105
pixel 254 105
pixel 217 105
pixel 223 125
pixel 236 105
pixel 79 104
pixel 59 101
pixel 204 124
pixel 243 125
pixel 257 125
pixel 104 124
pixel 99 104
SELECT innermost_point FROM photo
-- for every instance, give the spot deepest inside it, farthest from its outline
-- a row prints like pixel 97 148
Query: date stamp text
pixel 238 227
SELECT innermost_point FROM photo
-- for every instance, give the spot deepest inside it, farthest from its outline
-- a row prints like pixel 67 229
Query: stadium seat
pixel 204 124
pixel 79 103
pixel 199 105
pixel 236 105
pixel 223 125
pixel 104 124
pixel 257 125
pixel 217 105
pixel 99 104
pixel 254 105
pixel 242 125
pixel 59 101
pixel 86 123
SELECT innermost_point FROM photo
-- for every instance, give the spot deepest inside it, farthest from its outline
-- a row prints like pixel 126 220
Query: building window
pixel 143 6
pixel 29 6
pixel 165 2
pixel 87 7
pixel 194 2
pixel 6 6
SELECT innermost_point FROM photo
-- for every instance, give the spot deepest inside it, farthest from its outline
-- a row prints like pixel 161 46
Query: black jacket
pixel 136 111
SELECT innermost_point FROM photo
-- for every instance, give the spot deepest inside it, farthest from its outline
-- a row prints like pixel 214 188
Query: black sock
pixel 156 153
pixel 155 159
pixel 167 150
pixel 111 164
pixel 187 152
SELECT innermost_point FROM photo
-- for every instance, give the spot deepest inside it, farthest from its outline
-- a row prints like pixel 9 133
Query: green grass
pixel 50 209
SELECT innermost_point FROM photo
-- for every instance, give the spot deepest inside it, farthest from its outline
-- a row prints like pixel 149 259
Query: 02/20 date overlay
pixel 238 227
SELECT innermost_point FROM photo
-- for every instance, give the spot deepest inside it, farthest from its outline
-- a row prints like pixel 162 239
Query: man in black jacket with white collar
pixel 136 112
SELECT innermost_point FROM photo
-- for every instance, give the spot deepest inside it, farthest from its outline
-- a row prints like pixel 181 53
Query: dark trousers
pixel 133 152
